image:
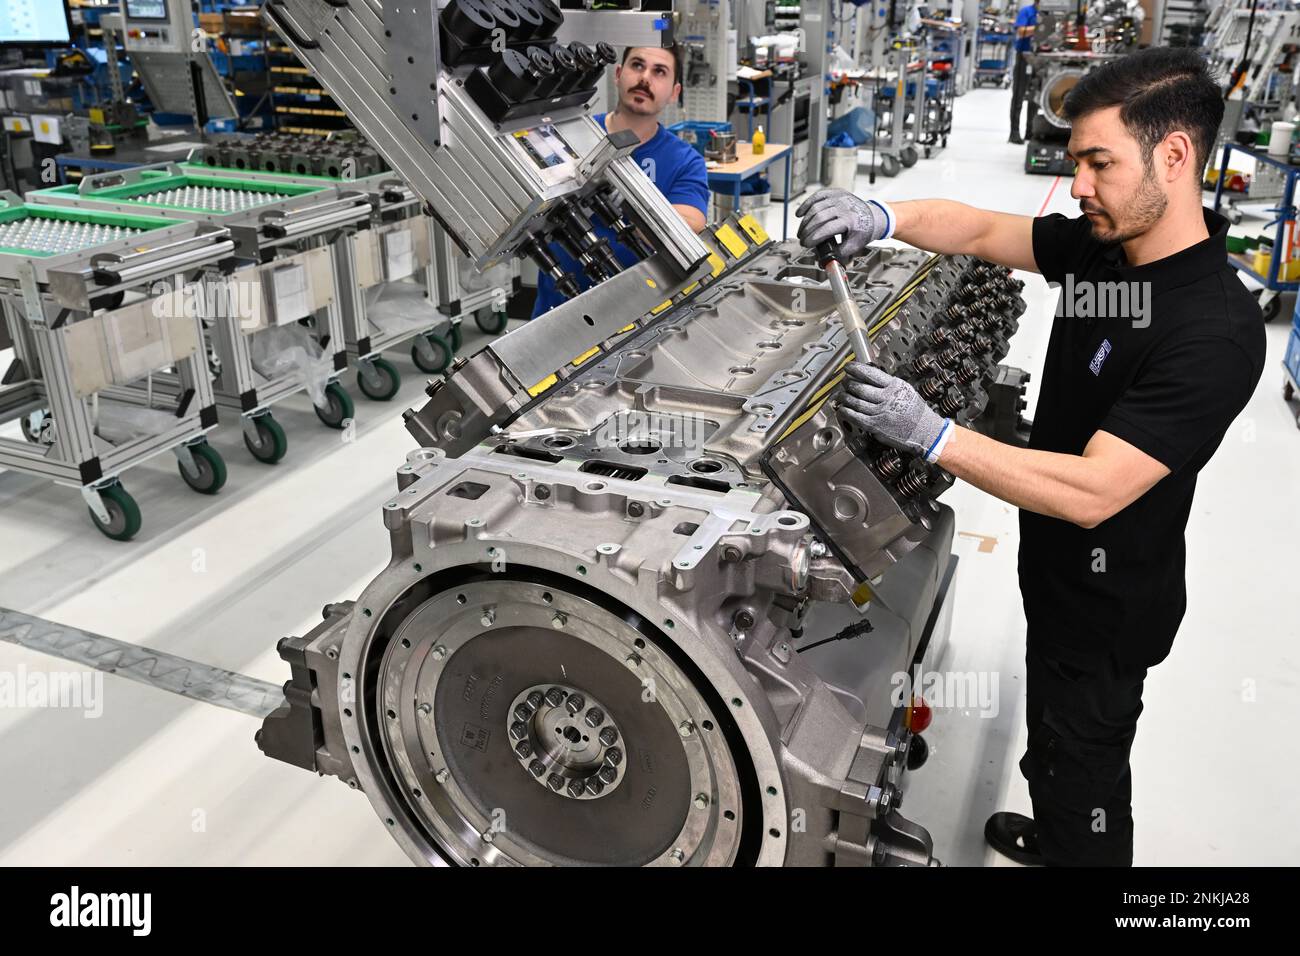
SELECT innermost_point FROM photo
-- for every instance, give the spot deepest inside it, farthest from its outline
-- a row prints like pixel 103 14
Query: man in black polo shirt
pixel 1134 402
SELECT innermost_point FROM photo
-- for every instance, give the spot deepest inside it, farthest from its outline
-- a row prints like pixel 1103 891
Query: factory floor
pixel 160 780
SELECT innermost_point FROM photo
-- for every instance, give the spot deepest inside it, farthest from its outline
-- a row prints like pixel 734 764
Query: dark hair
pixel 1157 90
pixel 675 50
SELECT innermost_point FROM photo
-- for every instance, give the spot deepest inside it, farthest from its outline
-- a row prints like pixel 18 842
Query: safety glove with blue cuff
pixel 892 411
pixel 837 212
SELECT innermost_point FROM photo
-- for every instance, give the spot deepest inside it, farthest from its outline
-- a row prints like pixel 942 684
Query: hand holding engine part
pixel 892 411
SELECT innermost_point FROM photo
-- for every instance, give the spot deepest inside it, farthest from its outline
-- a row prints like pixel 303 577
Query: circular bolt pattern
pixel 553 730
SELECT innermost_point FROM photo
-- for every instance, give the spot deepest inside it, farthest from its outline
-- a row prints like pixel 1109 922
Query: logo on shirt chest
pixel 1099 357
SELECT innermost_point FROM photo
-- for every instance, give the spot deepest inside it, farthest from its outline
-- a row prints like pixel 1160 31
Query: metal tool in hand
pixel 829 259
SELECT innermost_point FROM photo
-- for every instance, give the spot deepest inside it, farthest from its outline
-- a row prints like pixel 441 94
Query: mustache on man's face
pixel 641 89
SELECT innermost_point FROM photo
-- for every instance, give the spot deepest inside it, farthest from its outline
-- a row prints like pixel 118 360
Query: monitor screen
pixel 146 9
pixel 34 23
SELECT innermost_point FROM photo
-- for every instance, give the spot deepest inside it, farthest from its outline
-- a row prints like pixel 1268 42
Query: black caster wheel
pixel 927 152
pixel 123 514
pixel 889 165
pixel 271 443
pixel 1272 309
pixel 211 469
pixel 1287 391
pixel 383 381
pixel 37 427
pixel 438 355
pixel 493 324
pixel 456 337
pixel 908 156
pixel 338 406
pixel 918 752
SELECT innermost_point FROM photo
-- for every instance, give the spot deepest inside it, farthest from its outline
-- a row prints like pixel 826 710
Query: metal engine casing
pixel 636 553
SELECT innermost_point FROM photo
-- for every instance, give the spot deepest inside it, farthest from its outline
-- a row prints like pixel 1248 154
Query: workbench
pixel 747 166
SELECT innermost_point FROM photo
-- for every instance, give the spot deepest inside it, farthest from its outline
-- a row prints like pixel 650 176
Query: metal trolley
pixel 387 271
pixel 283 233
pixel 88 301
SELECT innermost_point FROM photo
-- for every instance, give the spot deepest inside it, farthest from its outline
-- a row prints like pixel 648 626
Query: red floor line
pixel 1055 183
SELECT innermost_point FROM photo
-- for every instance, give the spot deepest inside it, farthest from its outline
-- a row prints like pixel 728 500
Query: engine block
pixel 589 646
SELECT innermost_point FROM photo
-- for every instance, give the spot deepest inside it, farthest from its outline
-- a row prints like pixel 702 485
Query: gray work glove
pixel 837 212
pixel 890 409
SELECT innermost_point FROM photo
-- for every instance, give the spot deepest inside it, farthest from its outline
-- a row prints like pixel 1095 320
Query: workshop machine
pixel 103 313
pixel 632 524
pixel 1054 75
pixel 284 232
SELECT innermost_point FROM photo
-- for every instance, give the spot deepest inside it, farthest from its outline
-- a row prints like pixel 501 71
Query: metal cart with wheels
pixel 463 290
pixel 386 271
pixel 1283 175
pixel 286 279
pixel 100 307
pixel 993 57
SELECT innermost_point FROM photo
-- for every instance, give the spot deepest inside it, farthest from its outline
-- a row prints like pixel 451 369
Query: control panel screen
pixel 146 9
pixel 33 22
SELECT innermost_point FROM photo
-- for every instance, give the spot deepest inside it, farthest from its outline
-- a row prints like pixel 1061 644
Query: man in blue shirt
pixel 1026 21
pixel 647 80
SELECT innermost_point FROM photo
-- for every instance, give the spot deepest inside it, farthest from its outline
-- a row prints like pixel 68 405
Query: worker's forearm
pixel 940 225
pixel 1070 487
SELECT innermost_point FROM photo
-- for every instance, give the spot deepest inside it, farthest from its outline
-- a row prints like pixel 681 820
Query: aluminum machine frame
pixel 630 521
pixel 66 276
pixel 284 233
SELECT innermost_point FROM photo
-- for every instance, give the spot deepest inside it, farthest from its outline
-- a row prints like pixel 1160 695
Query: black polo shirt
pixel 1163 356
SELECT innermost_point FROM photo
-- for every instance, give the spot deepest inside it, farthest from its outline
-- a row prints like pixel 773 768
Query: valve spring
pixel 968 294
pixel 888 464
pixel 967 331
pixel 951 404
pixel 957 312
pixel 968 372
pixel 924 364
pixel 911 484
pixel 933 387
pixel 983 343
pixel 953 354
pixel 1004 301
pixel 939 335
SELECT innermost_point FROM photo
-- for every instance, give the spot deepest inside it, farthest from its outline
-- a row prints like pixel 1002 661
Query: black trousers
pixel 1082 711
pixel 1019 89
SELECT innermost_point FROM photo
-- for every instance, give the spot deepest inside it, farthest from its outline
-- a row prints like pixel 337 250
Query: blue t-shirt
pixel 672 165
pixel 1027 17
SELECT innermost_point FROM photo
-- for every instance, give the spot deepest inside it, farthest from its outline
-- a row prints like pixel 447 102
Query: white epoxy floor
pixel 160 780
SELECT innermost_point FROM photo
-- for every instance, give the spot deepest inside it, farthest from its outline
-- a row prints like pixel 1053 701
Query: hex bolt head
pixel 555 782
pixel 542 492
pixel 518 730
pixel 743 620
pixel 595 717
pixel 633 661
pixel 555 696
pixel 489 616
pixel 560 619
pixel 594 786
pixel 609 736
pixel 731 554
pixel 635 509
pixel 686 728
pixel 677 856
pixel 524 748
pixel 442 775
pixel 608 774
pixel 487 836
pixel 535 699
pixel 613 756
pixel 575 787
pixel 701 801
pixel 575 703
pixel 537 768
pixel 523 711
pixel 439 652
